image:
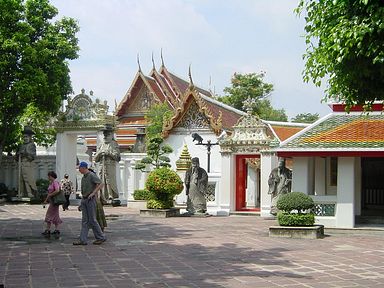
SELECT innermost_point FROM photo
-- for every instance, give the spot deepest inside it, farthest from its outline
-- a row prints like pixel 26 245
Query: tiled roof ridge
pixel 166 88
pixel 201 90
pixel 282 123
pixel 300 133
pixel 223 105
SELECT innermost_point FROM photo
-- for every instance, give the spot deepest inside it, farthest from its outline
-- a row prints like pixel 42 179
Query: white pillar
pixel 358 177
pixel 182 197
pixel 226 201
pixel 300 175
pixel 320 177
pixel 66 155
pixel 346 173
pixel 268 162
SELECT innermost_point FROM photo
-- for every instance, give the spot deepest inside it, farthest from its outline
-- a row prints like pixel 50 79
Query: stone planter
pixel 137 204
pixel 302 232
pixel 160 213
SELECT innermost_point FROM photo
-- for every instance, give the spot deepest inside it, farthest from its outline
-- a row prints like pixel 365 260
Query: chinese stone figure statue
pixel 108 155
pixel 279 183
pixel 196 182
pixel 25 156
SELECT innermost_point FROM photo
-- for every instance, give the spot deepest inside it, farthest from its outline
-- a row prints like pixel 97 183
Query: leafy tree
pixel 345 40
pixel 34 72
pixel 267 112
pixel 156 154
pixel 251 87
pixel 305 118
pixel 156 115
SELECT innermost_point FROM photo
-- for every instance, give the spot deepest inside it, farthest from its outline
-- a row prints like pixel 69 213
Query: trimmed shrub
pixel 141 194
pixel 295 209
pixel 286 219
pixel 164 184
pixel 295 201
pixel 159 204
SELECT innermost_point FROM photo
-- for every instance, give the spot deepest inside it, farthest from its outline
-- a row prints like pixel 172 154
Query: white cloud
pixel 217 37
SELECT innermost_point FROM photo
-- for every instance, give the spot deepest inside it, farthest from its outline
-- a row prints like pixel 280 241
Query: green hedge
pixel 141 194
pixel 295 210
pixel 287 219
pixel 295 201
pixel 159 204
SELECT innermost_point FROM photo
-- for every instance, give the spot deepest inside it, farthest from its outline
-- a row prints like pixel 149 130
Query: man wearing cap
pixel 67 188
pixel 108 155
pixel 25 156
pixel 90 185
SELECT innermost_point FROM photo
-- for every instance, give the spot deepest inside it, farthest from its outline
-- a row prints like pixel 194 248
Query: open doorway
pixel 372 186
pixel 247 182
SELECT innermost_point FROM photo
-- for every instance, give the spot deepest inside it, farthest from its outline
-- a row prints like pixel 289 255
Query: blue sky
pixel 216 37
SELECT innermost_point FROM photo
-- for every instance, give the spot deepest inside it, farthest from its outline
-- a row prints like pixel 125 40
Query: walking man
pixel 90 185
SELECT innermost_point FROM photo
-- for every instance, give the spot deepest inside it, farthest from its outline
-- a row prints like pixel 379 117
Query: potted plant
pixel 295 210
pixel 296 218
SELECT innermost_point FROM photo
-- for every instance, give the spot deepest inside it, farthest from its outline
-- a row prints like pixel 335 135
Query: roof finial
pixel 190 76
pixel 248 105
pixel 161 55
pixel 138 62
pixel 153 62
pixel 210 84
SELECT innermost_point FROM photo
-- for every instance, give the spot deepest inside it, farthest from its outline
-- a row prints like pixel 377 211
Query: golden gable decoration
pixel 196 107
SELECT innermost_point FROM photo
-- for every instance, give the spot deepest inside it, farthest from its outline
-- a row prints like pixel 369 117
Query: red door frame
pixel 241 182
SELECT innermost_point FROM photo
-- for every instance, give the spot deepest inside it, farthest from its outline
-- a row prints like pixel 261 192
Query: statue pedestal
pixel 301 232
pixel 116 202
pixel 137 204
pixel 160 213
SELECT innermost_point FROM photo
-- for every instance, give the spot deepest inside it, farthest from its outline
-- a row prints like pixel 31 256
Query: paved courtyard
pixel 212 252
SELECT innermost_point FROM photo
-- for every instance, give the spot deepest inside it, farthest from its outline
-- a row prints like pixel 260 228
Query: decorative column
pixel 182 165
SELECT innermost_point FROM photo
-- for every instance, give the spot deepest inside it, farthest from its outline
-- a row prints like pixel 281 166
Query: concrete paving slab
pixel 233 251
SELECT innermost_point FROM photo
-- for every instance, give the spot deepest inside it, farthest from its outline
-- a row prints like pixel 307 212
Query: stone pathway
pixel 212 252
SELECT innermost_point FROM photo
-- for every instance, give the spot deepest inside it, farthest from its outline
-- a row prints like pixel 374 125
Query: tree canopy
pixel 345 40
pixel 251 87
pixel 305 118
pixel 34 72
pixel 156 115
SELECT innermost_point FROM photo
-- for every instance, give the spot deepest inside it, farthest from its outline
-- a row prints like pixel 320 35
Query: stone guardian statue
pixel 196 183
pixel 108 155
pixel 279 183
pixel 25 156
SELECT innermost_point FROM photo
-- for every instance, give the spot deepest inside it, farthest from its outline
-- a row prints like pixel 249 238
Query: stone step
pixel 370 219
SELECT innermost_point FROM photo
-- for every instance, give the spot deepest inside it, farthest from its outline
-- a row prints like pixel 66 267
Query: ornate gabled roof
pixel 128 96
pixel 250 135
pixel 340 132
pixel 172 99
pixel 214 119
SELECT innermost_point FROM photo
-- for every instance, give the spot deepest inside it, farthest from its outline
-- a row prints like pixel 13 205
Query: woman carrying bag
pixel 52 216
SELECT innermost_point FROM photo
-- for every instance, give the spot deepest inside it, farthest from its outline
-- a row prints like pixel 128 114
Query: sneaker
pixel 99 241
pixel 79 243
